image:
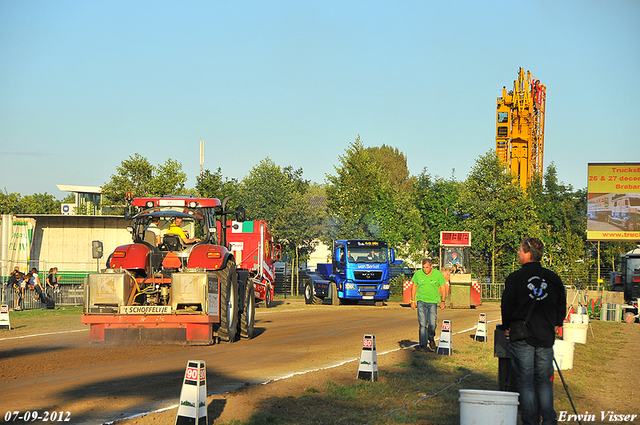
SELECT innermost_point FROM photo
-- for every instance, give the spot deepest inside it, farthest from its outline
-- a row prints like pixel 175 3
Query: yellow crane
pixel 520 128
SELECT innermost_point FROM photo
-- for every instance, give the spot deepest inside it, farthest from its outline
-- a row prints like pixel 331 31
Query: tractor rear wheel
pixel 228 302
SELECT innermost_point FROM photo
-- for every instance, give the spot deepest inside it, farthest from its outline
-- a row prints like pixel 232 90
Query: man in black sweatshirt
pixel 534 299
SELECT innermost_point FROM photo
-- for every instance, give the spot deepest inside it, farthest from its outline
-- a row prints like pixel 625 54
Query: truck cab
pixel 359 271
pixel 625 211
pixel 627 278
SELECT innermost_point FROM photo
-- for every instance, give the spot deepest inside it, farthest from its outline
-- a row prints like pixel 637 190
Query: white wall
pixel 65 241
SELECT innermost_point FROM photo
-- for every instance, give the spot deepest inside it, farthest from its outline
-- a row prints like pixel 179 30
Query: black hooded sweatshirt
pixel 534 283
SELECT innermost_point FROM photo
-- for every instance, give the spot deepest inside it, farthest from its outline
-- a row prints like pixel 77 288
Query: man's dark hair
pixel 427 260
pixel 535 246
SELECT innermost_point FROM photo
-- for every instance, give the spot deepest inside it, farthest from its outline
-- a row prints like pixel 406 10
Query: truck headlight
pixel 385 286
pixel 350 286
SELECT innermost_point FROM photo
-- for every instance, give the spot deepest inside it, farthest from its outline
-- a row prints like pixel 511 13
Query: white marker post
pixel 192 409
pixel 444 345
pixel 4 316
pixel 368 367
pixel 481 330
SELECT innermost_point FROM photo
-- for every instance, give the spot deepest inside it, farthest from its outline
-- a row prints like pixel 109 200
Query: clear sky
pixel 86 84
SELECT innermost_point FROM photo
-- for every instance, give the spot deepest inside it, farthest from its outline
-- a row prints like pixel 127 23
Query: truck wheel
pixel 308 294
pixel 334 294
pixel 629 317
pixel 228 303
pixel 248 317
pixel 268 299
pixel 632 225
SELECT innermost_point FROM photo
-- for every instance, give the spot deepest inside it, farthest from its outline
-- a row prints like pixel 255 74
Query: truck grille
pixel 367 275
pixel 368 287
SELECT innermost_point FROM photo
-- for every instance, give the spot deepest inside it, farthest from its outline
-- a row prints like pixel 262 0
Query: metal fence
pixel 67 295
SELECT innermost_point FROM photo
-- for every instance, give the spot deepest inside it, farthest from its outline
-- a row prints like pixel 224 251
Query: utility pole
pixel 201 157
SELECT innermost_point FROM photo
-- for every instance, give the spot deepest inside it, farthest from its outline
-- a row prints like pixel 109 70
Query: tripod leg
pixel 566 388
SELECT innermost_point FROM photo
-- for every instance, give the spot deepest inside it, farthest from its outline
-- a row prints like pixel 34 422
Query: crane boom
pixel 520 128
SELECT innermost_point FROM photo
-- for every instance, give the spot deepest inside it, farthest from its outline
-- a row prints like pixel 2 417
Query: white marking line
pixel 293 374
pixel 48 333
pixel 357 358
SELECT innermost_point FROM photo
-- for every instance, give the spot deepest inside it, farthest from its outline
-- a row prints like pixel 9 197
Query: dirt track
pixel 98 384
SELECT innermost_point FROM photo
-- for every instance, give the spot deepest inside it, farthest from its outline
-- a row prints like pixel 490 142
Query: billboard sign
pixel 613 202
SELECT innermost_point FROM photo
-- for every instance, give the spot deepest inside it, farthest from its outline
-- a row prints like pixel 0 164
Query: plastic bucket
pixel 580 318
pixel 563 349
pixel 576 332
pixel 558 358
pixel 480 407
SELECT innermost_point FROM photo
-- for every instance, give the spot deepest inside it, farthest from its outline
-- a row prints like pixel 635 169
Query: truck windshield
pixel 368 255
pixel 633 269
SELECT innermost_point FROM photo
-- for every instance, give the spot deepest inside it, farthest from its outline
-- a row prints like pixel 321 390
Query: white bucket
pixel 558 358
pixel 576 332
pixel 579 318
pixel 480 407
pixel 565 350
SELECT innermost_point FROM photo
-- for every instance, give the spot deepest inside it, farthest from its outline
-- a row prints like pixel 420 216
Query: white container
pixel 558 358
pixel 480 407
pixel 565 350
pixel 576 332
pixel 579 318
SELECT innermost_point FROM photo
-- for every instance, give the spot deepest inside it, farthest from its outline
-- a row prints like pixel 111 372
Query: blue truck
pixel 359 271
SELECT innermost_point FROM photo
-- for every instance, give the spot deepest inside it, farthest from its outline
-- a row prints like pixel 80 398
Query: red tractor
pixel 167 285
pixel 252 245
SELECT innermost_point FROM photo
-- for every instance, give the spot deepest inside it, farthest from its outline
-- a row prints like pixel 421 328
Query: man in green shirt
pixel 428 291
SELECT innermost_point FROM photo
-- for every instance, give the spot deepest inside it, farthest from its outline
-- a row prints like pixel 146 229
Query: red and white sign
pixel 192 374
pixel 455 238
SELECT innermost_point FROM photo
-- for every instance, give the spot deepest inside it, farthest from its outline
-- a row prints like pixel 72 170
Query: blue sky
pixel 86 84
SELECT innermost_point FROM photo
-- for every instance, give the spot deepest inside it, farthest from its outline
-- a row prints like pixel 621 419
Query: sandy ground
pixel 296 347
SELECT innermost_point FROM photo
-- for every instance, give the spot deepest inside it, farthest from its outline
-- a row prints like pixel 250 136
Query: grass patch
pixel 423 388
pixel 42 320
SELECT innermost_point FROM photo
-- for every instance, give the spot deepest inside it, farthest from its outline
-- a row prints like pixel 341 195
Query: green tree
pixel 369 197
pixel 138 176
pixel 40 203
pixel 267 188
pixel 610 253
pixel 436 199
pixel 350 194
pixel 561 213
pixel 394 164
pixel 133 175
pixel 214 185
pixel 168 179
pixel 10 203
pixel 499 214
pixel 277 195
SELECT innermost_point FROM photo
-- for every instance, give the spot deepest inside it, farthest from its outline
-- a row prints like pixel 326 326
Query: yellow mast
pixel 520 128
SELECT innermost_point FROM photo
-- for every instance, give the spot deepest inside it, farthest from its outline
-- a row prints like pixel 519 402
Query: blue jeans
pixel 427 317
pixel 533 367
